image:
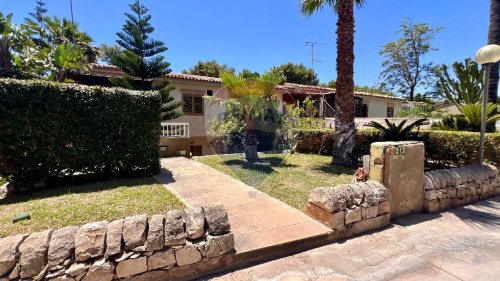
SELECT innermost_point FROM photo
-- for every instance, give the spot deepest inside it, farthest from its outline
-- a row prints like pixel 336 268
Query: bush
pixel 442 149
pixel 52 134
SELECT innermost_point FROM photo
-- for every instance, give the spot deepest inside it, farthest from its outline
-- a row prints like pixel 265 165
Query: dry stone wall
pixel 449 188
pixel 351 209
pixel 170 246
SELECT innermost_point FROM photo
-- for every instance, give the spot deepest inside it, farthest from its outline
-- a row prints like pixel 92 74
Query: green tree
pixel 38 16
pixel 141 59
pixel 465 87
pixel 404 68
pixel 345 129
pixel 331 84
pixel 106 52
pixel 296 73
pixel 248 74
pixel 209 68
pixel 255 98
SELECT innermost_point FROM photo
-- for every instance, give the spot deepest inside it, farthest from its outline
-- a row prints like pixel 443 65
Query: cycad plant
pixel 393 132
pixel 472 114
pixel 254 98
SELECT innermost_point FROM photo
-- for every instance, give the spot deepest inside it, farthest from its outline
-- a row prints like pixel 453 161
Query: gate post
pixel 399 166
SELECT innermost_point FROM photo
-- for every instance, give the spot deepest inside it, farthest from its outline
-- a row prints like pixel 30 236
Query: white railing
pixel 362 122
pixel 175 130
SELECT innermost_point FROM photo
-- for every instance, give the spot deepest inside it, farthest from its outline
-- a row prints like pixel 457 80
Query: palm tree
pixel 494 38
pixel 345 129
pixel 253 97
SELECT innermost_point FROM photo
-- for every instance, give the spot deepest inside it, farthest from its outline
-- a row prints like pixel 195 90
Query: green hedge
pixel 442 148
pixel 53 133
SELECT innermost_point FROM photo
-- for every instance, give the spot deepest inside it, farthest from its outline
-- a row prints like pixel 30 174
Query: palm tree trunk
pixel 494 38
pixel 250 142
pixel 345 129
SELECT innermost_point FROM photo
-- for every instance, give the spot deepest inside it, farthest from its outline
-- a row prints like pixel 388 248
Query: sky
pixel 259 34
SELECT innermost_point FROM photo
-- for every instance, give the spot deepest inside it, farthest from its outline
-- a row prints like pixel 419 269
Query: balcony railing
pixel 175 130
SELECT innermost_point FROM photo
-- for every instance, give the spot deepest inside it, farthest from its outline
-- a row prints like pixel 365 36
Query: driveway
pixel 461 244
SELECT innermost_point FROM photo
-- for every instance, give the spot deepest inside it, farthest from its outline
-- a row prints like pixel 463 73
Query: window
pixel 390 111
pixel 193 104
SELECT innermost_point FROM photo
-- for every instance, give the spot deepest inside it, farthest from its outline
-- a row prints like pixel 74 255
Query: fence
pixel 175 130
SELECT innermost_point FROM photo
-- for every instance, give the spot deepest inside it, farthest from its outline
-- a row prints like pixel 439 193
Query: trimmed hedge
pixel 53 133
pixel 442 148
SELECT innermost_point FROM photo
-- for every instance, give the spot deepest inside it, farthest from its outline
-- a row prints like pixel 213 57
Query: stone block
pixel 333 220
pixel 62 245
pixel 9 252
pixel 452 193
pixel 195 223
pixel 131 267
pixel 156 233
pixel 90 240
pixel 161 259
pixel 431 195
pixel 431 206
pixel 220 245
pixel 369 212
pixel 370 224
pixel 77 268
pixel 330 199
pixel 135 231
pixel 101 270
pixel 461 193
pixel 175 231
pixel 217 219
pixel 114 238
pixel 352 215
pixel 187 255
pixel 383 208
pixel 33 252
pixel 444 204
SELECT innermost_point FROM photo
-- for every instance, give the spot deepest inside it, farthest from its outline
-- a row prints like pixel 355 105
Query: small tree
pixel 141 61
pixel 466 88
pixel 209 68
pixel 38 15
pixel 404 66
pixel 296 73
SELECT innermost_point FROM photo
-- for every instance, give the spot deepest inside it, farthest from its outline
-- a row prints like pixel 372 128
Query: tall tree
pixel 466 87
pixel 248 74
pixel 209 68
pixel 39 14
pixel 140 60
pixel 404 66
pixel 345 129
pixel 296 73
pixel 494 38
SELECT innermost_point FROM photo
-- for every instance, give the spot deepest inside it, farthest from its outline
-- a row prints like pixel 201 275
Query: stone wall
pixel 449 188
pixel 172 246
pixel 351 209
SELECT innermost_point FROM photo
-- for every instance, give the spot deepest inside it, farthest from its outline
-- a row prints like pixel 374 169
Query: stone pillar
pixel 400 167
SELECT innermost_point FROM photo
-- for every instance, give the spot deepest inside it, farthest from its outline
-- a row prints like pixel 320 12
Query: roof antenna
pixel 72 21
pixel 313 60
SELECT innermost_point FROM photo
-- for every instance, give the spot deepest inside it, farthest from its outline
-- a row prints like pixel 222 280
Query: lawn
pixel 56 208
pixel 289 178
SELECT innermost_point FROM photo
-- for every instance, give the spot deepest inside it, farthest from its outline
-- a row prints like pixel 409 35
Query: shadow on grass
pixel 79 189
pixel 265 165
pixel 335 170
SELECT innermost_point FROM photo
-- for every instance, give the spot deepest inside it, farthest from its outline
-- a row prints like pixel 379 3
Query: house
pixel 198 112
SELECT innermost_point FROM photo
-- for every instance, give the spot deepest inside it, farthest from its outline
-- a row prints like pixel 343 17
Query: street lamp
pixel 486 56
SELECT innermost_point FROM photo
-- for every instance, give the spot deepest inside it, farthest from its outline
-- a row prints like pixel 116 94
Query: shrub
pixel 442 149
pixel 55 134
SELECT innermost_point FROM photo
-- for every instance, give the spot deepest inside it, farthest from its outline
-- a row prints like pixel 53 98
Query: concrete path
pixel 258 221
pixel 461 244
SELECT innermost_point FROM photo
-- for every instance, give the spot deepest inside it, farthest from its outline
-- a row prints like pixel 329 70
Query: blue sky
pixel 259 34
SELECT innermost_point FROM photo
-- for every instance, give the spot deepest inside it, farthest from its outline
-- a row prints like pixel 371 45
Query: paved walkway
pixel 258 221
pixel 461 244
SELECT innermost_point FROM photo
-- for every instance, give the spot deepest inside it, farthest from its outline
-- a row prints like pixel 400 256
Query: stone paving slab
pixel 258 221
pixel 460 244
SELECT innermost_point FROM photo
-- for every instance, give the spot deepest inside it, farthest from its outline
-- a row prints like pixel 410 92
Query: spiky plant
pixel 472 114
pixel 393 132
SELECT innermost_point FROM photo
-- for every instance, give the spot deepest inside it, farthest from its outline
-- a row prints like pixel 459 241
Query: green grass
pixel 289 178
pixel 2 181
pixel 56 208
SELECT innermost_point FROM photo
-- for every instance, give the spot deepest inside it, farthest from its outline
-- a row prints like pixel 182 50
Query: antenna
pixel 313 60
pixel 72 20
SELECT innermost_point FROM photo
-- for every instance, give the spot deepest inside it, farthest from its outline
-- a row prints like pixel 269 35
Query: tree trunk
pixel 345 129
pixel 250 142
pixel 5 55
pixel 494 38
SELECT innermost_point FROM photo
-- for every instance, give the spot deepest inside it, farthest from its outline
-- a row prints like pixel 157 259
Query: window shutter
pixel 188 104
pixel 198 104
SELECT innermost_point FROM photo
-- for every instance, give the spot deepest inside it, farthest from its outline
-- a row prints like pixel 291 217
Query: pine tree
pixel 141 59
pixel 39 13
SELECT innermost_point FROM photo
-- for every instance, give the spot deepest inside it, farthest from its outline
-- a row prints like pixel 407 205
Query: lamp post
pixel 486 56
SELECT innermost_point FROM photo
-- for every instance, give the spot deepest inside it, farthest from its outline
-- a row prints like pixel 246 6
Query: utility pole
pixel 72 20
pixel 313 60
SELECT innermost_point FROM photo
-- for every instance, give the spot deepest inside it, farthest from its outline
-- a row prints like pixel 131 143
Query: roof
pixel 113 71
